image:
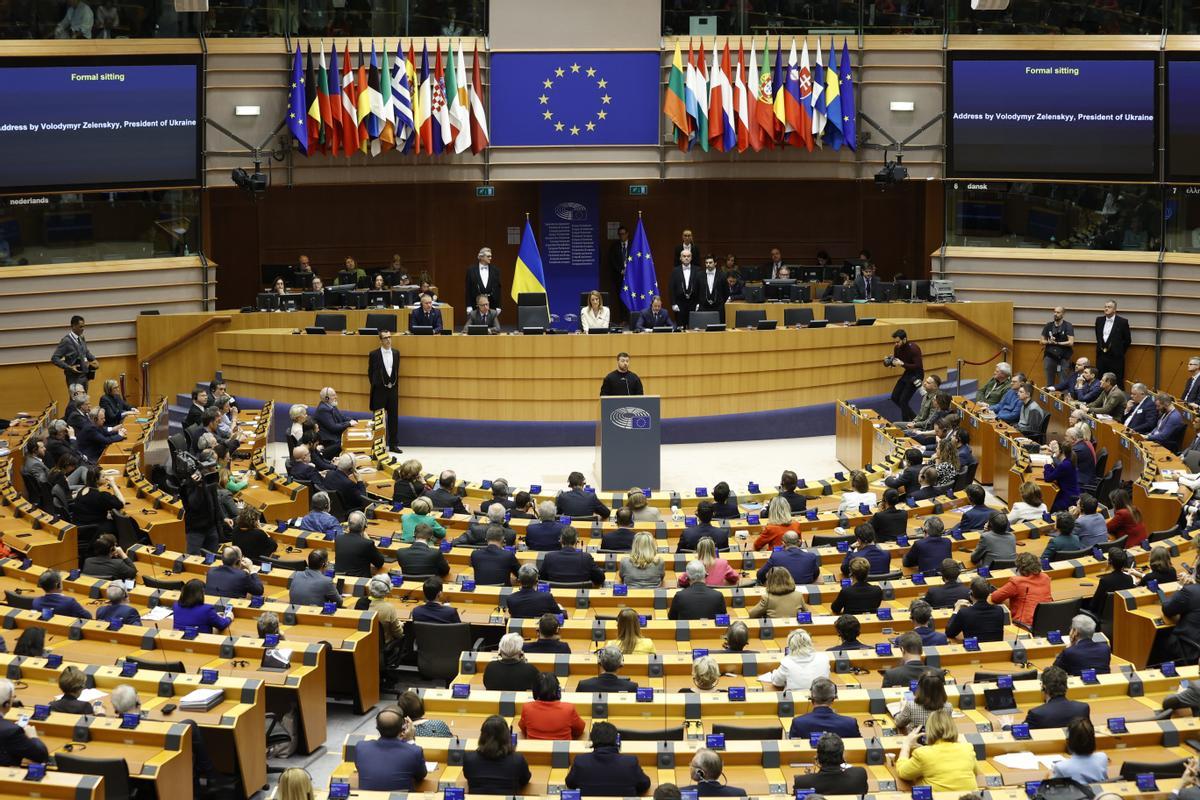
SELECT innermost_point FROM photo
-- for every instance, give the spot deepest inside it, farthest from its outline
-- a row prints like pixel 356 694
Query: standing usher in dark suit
pixel 711 299
pixel 384 393
pixel 1110 353
pixel 684 296
pixel 476 286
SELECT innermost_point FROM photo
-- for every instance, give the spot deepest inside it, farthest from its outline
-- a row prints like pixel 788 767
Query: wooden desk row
pixel 234 729
pixel 1166 787
pixel 671 672
pixel 93 642
pixel 768 766
pixel 772 370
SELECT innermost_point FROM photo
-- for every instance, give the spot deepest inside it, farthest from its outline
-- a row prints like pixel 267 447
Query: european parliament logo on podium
pixel 628 439
pixel 631 418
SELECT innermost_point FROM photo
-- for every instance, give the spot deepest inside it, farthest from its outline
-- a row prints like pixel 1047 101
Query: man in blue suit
pixel 879 559
pixel 1009 407
pixel 233 578
pixel 117 608
pixel 331 422
pixel 93 437
pixel 50 582
pixel 965 455
pixel 568 565
pixel 1084 652
pixel 527 602
pixel 392 762
pixel 544 534
pixel 692 535
pixel 1169 430
pixel 426 316
pixel 434 610
pixel 928 552
pixel 576 501
pixel 653 317
pixel 804 566
pixel 822 718
pixel 492 565
pixel 976 517
pixel 620 539
pixel 921 614
pixel 16 743
pixel 1140 413
pixel 1057 711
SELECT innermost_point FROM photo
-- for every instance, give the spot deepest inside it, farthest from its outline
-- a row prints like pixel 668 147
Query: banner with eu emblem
pixel 574 99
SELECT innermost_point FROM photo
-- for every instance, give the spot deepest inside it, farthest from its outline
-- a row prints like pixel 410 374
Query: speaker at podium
pixel 628 441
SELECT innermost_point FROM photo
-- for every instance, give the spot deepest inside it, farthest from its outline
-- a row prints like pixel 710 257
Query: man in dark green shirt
pixel 997 386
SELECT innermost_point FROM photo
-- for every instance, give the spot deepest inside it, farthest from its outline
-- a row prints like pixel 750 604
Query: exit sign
pixel 485 191
pixel 638 190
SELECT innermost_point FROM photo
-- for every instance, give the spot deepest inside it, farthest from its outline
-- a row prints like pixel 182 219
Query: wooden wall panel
pixel 440 227
pixel 558 377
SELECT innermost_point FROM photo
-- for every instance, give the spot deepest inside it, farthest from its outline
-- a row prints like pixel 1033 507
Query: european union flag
pixel 566 98
pixel 641 282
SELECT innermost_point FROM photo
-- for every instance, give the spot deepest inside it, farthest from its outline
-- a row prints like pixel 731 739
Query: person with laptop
pixel 483 315
pixel 425 316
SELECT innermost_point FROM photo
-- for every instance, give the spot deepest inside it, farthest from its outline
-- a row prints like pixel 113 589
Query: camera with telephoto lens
pixel 889 360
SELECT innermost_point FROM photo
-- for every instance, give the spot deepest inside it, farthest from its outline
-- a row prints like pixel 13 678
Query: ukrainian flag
pixel 528 276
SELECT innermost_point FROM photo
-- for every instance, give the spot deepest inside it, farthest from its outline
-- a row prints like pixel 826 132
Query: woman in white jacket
pixel 594 314
pixel 800 667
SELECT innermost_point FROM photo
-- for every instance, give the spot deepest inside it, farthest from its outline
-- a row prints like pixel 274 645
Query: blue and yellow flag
pixel 641 282
pixel 297 106
pixel 528 276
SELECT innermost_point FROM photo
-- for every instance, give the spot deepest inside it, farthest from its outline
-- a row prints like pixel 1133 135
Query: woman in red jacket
pixel 779 522
pixel 547 717
pixel 1126 520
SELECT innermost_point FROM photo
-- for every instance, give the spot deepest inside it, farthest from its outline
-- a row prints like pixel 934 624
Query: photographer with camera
pixel 907 355
pixel 201 507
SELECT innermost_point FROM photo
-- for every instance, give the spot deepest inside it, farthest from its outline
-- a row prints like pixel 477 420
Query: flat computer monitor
pixel 778 288
pixel 801 293
pixel 266 301
pixel 421 330
pixel 309 301
pixel 378 299
pixel 753 293
pixel 289 302
pixel 478 330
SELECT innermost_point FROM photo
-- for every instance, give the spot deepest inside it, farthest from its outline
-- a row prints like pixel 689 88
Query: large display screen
pixel 99 123
pixel 1183 118
pixel 1029 115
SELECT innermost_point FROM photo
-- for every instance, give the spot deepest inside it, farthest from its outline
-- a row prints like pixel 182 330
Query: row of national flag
pixel 386 104
pixel 726 107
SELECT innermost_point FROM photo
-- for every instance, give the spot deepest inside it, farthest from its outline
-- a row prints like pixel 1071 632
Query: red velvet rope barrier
pixel 992 358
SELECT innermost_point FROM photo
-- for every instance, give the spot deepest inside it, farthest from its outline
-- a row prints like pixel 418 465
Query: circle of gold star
pixel 572 74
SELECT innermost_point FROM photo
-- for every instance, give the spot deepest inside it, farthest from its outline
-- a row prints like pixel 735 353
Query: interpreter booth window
pixel 1181 218
pixel 136 19
pixel 1076 216
pixel 98 226
pixel 1064 17
pixel 759 17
